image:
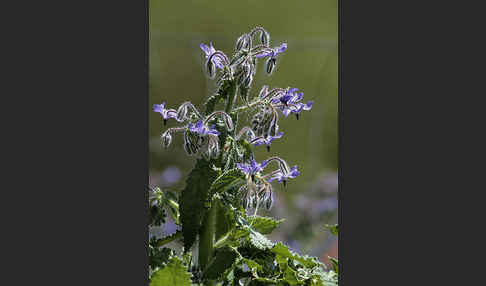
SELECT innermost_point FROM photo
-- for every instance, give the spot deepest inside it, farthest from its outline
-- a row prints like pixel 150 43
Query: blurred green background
pixel 310 63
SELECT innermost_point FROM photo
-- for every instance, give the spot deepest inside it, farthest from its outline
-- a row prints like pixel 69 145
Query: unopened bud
pixel 265 38
pixel 228 122
pixel 210 68
pixel 181 113
pixel 166 138
pixel 248 81
pixel 190 146
pixel 269 202
pixel 241 42
pixel 270 65
pixel 263 91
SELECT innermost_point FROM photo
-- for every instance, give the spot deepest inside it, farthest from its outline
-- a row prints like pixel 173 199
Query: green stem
pixel 206 237
pixel 233 92
pixel 247 106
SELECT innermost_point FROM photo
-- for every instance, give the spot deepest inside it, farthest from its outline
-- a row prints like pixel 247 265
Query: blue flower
pixel 273 52
pixel 166 113
pixel 252 168
pixel 208 51
pixel 284 177
pixel 265 141
pixel 202 129
pixel 302 106
pixel 291 96
pixel 290 102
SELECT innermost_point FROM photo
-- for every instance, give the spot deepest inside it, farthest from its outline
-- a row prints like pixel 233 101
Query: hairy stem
pixel 206 237
pixel 233 92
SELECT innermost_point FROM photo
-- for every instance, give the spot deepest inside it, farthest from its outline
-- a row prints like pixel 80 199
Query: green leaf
pixel 283 251
pixel 225 220
pixel 173 274
pixel 246 147
pixel 159 257
pixel 255 238
pixel 169 238
pixel 222 261
pixel 332 228
pixel 193 198
pixel 229 179
pixel 259 241
pixel 264 225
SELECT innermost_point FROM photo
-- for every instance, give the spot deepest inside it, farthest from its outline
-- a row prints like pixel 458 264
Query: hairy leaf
pixel 193 198
pixel 229 179
pixel 283 251
pixel 174 274
pixel 264 225
pixel 176 235
pixel 159 257
pixel 222 261
pixel 225 220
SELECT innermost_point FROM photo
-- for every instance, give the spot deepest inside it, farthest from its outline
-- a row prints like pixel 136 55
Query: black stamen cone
pixel 165 121
pixel 268 148
pixel 253 178
pixel 284 182
pixel 297 116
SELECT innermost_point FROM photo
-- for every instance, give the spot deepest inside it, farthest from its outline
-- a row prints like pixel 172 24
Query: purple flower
pixel 273 52
pixel 291 96
pixel 208 51
pixel 252 168
pixel 166 113
pixel 291 102
pixel 265 141
pixel 302 106
pixel 202 129
pixel 284 177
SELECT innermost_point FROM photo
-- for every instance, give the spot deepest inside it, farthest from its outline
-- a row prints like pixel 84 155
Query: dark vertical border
pixel 79 213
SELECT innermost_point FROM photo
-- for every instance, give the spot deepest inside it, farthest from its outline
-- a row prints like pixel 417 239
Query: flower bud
pixel 270 65
pixel 265 38
pixel 210 68
pixel 190 146
pixel 166 138
pixel 269 202
pixel 241 42
pixel 238 59
pixel 263 91
pixel 228 122
pixel 248 81
pixel 181 113
pixel 213 146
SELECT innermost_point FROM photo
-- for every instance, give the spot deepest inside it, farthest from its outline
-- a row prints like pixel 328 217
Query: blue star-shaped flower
pixel 252 168
pixel 202 129
pixel 273 52
pixel 265 141
pixel 208 51
pixel 166 113
pixel 280 177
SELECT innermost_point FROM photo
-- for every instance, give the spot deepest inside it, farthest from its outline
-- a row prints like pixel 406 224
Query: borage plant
pixel 223 238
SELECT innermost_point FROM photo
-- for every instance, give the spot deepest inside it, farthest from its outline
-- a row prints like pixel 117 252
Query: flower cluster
pixel 203 134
